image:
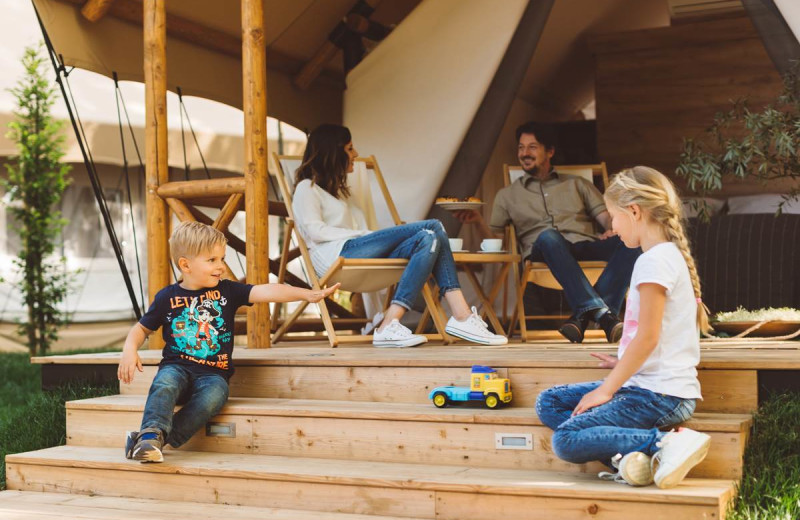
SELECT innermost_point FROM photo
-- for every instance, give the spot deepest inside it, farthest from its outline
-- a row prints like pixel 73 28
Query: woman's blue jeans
pixel 562 257
pixel 427 249
pixel 629 422
pixel 202 396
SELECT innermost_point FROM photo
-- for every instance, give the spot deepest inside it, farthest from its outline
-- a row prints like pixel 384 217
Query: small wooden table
pixel 467 261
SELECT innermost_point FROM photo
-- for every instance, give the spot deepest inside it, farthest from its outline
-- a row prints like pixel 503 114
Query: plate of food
pixel 776 322
pixel 456 204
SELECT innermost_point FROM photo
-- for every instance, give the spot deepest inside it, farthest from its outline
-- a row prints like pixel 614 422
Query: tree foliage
pixel 36 181
pixel 748 143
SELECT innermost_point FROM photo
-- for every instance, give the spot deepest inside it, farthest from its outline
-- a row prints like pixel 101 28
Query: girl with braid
pixel 653 382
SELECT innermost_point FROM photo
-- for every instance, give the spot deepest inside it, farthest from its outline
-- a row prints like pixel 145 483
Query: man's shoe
pixel 149 450
pixel 680 452
pixel 396 335
pixel 612 326
pixel 574 327
pixel 634 469
pixel 474 329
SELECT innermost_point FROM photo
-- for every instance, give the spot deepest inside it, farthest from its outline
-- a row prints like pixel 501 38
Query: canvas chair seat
pixel 359 275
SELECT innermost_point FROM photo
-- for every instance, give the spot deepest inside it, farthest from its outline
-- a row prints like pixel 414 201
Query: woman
pixel 333 226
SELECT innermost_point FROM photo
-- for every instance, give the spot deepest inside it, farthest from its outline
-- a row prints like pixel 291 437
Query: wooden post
pixel 254 80
pixel 93 10
pixel 156 169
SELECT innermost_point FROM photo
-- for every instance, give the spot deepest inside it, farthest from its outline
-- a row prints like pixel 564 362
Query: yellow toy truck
pixel 484 386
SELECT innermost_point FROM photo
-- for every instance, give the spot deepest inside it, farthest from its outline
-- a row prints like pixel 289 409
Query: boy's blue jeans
pixel 562 257
pixel 427 249
pixel 629 422
pixel 202 395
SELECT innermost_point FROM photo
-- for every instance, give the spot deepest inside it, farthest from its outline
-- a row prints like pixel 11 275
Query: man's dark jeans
pixel 562 257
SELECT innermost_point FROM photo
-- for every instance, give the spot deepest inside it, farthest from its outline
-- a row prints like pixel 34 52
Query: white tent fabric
pixel 411 101
pixel 790 9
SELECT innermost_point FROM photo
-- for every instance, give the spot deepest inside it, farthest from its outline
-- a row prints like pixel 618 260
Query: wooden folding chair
pixel 360 275
pixel 537 272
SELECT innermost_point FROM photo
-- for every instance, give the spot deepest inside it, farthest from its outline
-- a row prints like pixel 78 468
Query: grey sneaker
pixel 149 450
pixel 680 451
pixel 130 442
pixel 634 469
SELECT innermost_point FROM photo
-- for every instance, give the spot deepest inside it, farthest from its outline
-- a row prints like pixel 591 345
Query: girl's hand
pixel 314 296
pixel 128 365
pixel 594 398
pixel 606 361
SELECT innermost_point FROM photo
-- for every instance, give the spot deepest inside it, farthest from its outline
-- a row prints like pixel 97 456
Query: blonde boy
pixel 196 316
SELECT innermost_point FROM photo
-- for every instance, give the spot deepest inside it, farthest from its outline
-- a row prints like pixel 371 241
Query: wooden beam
pixel 223 187
pixel 228 212
pixel 156 167
pixel 180 28
pixel 254 106
pixel 93 10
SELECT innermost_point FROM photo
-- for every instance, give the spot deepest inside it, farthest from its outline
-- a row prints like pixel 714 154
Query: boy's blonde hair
pixel 193 238
pixel 656 195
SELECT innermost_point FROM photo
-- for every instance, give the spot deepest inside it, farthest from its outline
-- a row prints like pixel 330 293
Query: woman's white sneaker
pixel 634 469
pixel 396 335
pixel 474 329
pixel 680 451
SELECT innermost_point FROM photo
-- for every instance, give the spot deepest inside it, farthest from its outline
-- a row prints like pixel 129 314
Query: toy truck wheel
pixel 491 401
pixel 440 399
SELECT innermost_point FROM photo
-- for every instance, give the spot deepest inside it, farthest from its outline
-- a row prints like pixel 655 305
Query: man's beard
pixel 534 170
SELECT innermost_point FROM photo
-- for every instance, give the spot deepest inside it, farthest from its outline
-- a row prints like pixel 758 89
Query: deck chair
pixel 537 272
pixel 361 275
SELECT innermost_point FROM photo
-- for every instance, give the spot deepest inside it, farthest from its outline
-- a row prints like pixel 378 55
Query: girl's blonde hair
pixel 191 239
pixel 656 195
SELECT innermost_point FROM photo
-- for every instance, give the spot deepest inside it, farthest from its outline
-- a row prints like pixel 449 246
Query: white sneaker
pixel 634 468
pixel 396 335
pixel 474 329
pixel 680 451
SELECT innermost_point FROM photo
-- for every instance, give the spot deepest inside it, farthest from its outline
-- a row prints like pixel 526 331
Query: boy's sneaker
pixel 149 450
pixel 680 451
pixel 612 326
pixel 130 442
pixel 396 335
pixel 474 329
pixel 634 469
pixel 574 328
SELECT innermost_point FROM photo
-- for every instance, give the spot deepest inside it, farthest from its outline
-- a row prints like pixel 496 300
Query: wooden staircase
pixel 350 434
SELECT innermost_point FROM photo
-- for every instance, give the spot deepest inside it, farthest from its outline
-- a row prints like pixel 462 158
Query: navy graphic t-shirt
pixel 197 325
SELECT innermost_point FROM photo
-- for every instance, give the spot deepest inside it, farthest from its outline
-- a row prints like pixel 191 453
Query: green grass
pixel 31 419
pixel 770 487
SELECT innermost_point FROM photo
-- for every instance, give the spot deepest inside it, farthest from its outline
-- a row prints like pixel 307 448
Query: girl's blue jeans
pixel 629 422
pixel 202 396
pixel 427 249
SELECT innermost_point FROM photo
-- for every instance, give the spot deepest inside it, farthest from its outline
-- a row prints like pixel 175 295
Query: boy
pixel 196 315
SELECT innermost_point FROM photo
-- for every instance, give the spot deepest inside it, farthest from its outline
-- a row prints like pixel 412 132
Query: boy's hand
pixel 314 296
pixel 128 365
pixel 606 361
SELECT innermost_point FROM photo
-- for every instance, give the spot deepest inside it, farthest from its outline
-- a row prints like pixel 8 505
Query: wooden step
pixel 27 505
pixel 408 490
pixel 385 432
pixel 370 374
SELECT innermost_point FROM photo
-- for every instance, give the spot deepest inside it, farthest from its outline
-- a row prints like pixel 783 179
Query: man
pixel 554 216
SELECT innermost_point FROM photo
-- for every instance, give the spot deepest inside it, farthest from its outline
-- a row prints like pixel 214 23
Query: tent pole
pixel 156 167
pixel 254 80
pixel 94 10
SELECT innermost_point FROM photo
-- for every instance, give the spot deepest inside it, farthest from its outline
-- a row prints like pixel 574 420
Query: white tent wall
pixel 790 9
pixel 411 101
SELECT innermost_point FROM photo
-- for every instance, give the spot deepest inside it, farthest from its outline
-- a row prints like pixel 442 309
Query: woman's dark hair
pixel 325 160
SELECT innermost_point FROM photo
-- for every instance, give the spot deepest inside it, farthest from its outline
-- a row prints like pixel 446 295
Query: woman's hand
pixel 594 398
pixel 468 216
pixel 128 365
pixel 606 361
pixel 314 296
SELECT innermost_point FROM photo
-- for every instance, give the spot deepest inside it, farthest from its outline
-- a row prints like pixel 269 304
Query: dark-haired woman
pixel 333 226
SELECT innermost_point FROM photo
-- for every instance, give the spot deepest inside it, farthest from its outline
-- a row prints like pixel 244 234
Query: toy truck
pixel 484 386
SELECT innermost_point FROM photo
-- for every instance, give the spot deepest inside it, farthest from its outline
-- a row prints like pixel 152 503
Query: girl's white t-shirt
pixel 671 367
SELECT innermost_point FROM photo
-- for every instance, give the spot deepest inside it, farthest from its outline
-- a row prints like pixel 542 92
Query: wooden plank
pixel 203 188
pixel 366 477
pixel 20 505
pixel 256 174
pixel 94 10
pixel 156 165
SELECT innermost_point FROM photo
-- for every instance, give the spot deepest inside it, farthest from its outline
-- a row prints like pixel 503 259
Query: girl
pixel 333 226
pixel 653 383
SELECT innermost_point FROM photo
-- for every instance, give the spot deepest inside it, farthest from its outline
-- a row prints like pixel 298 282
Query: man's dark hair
pixel 543 132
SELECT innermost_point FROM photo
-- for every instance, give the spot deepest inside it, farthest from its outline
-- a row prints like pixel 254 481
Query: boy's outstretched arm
pixel 131 361
pixel 278 292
